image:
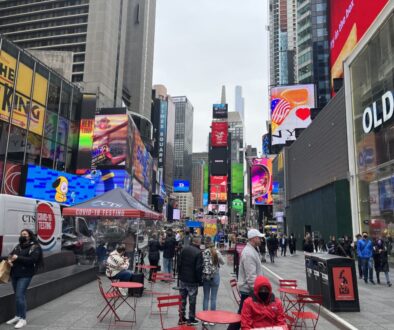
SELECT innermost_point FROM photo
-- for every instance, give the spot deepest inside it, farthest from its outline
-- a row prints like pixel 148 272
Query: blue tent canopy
pixel 193 224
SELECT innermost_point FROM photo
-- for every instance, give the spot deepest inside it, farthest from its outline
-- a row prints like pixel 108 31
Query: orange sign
pixel 343 283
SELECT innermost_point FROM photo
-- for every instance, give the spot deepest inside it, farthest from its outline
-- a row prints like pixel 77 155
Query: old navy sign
pixel 373 118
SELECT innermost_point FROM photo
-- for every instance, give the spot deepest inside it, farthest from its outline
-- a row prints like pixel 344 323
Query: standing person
pixel 271 246
pixel 168 247
pixel 249 269
pixel 276 245
pixel 359 263
pixel 340 249
pixel 332 245
pixel 263 249
pixel 129 243
pixel 212 259
pixel 154 248
pixel 24 259
pixel 187 238
pixel 283 245
pixel 308 244
pixel 190 276
pixel 347 246
pixel 292 244
pixel 364 251
pixel 381 260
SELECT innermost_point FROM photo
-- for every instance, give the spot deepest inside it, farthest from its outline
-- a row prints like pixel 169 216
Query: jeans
pixel 191 290
pixel 123 276
pixel 367 265
pixel 283 250
pixel 360 267
pixel 167 265
pixel 211 288
pixel 386 274
pixel 20 285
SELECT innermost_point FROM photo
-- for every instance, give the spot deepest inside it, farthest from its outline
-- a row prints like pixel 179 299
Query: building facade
pixel 236 129
pixel 239 102
pixel 185 204
pixel 199 159
pixel 183 141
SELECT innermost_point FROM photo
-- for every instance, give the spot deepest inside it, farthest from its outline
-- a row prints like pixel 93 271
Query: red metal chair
pixel 301 316
pixel 166 277
pixel 172 301
pixel 110 298
pixel 235 291
pixel 288 283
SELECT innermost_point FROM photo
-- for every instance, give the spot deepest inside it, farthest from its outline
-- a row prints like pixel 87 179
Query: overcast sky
pixel 201 45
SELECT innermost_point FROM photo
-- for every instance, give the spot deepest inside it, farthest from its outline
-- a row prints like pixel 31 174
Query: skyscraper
pixel 236 129
pixel 183 138
pixel 199 159
pixel 239 102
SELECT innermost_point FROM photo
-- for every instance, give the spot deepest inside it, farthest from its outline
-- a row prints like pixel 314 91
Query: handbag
pixel 5 270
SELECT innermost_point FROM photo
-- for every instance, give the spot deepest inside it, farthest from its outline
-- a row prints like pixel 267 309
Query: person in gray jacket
pixel 249 269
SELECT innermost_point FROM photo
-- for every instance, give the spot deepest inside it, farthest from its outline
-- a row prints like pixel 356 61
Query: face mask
pixel 22 239
pixel 365 236
pixel 264 296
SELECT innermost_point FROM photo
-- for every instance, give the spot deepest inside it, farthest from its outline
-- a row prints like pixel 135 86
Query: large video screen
pixel 219 134
pixel 290 109
pixel 220 111
pixel 142 160
pixel 218 161
pixel 218 188
pixel 349 20
pixel 261 177
pixel 181 186
pixel 237 178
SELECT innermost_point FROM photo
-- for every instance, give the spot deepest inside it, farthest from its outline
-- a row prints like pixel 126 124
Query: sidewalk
pixel 78 309
pixel 376 301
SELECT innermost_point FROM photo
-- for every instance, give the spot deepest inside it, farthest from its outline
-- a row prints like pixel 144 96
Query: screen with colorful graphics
pixel 142 160
pixel 181 186
pixel 261 176
pixel 290 109
pixel 109 179
pixel 349 20
pixel 54 186
pixel 219 134
pixel 237 178
pixel 218 188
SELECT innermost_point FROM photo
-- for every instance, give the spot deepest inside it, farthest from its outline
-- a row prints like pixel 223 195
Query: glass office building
pixel 38 117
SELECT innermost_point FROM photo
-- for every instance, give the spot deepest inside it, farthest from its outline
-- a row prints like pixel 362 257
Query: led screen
pixel 218 161
pixel 181 186
pixel 218 186
pixel 237 178
pixel 219 134
pixel 261 176
pixel 220 111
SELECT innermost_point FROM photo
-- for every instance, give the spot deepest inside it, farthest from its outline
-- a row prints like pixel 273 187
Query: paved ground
pixel 78 309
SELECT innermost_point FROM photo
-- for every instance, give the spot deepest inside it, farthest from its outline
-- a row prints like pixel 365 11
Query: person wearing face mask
pixel 24 259
pixel 381 261
pixel 364 251
pixel 262 308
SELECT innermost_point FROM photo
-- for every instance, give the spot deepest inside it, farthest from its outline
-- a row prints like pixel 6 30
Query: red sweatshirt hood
pixel 260 282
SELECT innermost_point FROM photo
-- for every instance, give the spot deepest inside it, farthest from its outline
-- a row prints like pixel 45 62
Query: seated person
pixel 262 309
pixel 118 264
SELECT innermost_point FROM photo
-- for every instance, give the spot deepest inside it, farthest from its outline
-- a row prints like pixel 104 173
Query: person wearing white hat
pixel 249 269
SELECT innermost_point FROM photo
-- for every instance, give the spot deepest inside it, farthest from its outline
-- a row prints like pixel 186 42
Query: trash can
pixel 313 281
pixel 338 283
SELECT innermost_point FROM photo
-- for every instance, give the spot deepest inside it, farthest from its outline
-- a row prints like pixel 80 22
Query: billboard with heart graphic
pixel 290 109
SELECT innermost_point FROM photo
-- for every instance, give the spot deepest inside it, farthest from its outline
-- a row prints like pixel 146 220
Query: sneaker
pixel 182 321
pixel 366 282
pixel 192 322
pixel 21 323
pixel 210 323
pixel 14 320
pixel 389 284
pixel 371 281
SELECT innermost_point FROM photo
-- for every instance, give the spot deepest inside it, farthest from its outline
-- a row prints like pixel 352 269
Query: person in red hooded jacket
pixel 262 309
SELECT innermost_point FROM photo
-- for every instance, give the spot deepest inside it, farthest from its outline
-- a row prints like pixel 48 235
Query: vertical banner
pixel 219 134
pixel 343 283
pixel 218 188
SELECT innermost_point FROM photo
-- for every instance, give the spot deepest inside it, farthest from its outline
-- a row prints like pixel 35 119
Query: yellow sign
pixel 210 229
pixel 21 106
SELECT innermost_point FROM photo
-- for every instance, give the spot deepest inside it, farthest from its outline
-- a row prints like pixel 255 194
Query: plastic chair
pixel 171 301
pixel 110 298
pixel 301 316
pixel 235 291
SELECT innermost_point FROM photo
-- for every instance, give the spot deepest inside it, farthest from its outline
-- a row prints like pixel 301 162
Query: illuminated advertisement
pixel 219 134
pixel 142 160
pixel 218 185
pixel 181 186
pixel 206 178
pixel 261 176
pixel 12 178
pixel 290 109
pixel 109 140
pixel 237 178
pixel 205 199
pixel 139 192
pixel 218 161
pixel 349 20
pixel 238 206
pixel 24 114
pixel 109 179
pixel 220 111
pixel 54 186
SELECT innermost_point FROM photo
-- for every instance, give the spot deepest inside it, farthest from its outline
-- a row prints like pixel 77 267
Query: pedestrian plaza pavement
pixel 78 309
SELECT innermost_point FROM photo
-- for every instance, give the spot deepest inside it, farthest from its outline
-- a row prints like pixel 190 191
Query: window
pixel 16 144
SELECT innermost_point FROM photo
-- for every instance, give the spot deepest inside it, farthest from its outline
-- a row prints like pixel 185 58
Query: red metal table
pixel 288 302
pixel 220 317
pixel 145 268
pixel 133 307
pixel 277 327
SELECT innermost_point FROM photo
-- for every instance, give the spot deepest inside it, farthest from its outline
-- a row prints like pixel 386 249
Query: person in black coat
pixel 283 245
pixel 380 256
pixel 24 260
pixel 154 248
pixel 168 247
pixel 292 244
pixel 308 243
pixel 272 246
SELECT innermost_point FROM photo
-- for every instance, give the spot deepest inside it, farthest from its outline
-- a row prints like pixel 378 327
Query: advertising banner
pixel 220 111
pixel 290 109
pixel 24 113
pixel 109 179
pixel 343 283
pixel 54 186
pixel 237 178
pixel 218 186
pixel 238 206
pixel 261 176
pixel 109 140
pixel 142 160
pixel 219 134
pixel 218 161
pixel 349 20
pixel 210 229
pixel 181 186
pixel 12 178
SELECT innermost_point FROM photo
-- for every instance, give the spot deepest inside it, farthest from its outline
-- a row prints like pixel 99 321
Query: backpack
pixel 209 269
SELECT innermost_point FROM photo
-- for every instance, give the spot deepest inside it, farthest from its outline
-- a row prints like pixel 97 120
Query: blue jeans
pixel 123 276
pixel 167 265
pixel 211 288
pixel 367 264
pixel 20 285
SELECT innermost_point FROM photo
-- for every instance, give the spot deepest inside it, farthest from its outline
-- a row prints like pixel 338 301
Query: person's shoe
pixel 192 322
pixel 366 282
pixel 210 323
pixel 371 281
pixel 378 281
pixel 182 321
pixel 21 323
pixel 205 323
pixel 14 320
pixel 389 284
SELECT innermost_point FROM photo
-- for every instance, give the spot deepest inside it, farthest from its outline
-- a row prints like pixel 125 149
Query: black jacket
pixel 154 248
pixel 308 246
pixel 190 265
pixel 169 247
pixel 26 263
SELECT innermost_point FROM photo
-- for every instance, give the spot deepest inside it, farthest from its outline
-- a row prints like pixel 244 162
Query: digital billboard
pixel 142 160
pixel 290 109
pixel 261 181
pixel 181 186
pixel 218 188
pixel 220 111
pixel 349 20
pixel 162 132
pixel 219 134
pixel 109 179
pixel 238 206
pixel 54 186
pixel 110 140
pixel 12 178
pixel 205 199
pixel 237 178
pixel 206 178
pixel 218 161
